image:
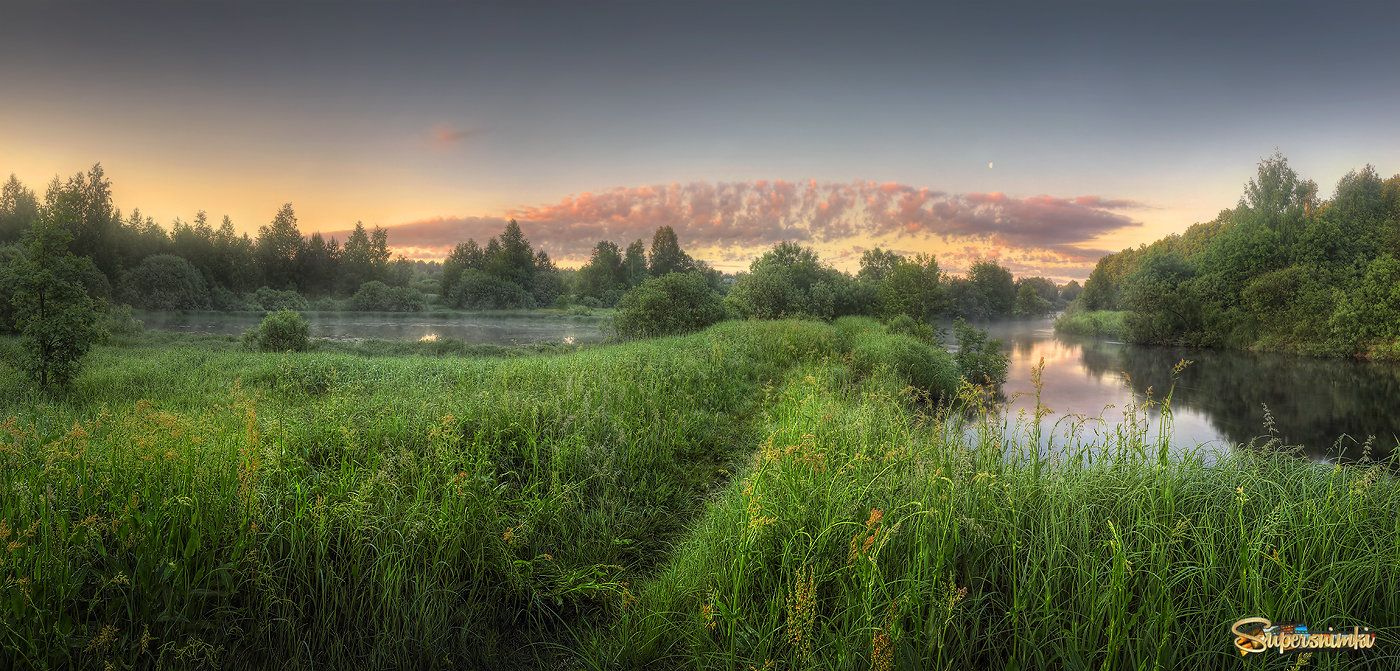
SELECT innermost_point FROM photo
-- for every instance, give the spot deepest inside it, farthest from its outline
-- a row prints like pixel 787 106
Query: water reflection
pixel 1219 399
pixel 474 329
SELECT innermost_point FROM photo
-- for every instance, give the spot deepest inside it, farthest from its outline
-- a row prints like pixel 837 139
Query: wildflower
pixel 707 611
pixel 861 547
pixel 103 640
pixel 802 614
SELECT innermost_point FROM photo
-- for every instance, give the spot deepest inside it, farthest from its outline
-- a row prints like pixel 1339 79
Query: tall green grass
pixel 867 534
pixel 766 494
pixel 1097 323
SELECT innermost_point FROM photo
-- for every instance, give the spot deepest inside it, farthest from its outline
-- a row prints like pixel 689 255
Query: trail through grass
pixel 765 494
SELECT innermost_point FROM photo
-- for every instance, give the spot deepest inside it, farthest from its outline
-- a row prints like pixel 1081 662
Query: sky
pixel 1041 135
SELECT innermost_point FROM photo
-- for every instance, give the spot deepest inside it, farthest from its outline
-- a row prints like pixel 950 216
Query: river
pixel 1217 400
pixel 505 328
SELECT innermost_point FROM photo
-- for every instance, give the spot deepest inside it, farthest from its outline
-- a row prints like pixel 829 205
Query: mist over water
pixel 472 329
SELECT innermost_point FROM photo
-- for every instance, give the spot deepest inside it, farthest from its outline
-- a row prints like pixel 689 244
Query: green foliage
pixel 117 320
pixel 789 281
pixel 57 319
pixel 1030 303
pixel 604 271
pixel 1097 323
pixel 165 282
pixel 1282 271
pixel 980 360
pixel 19 208
pixel 376 296
pixel 223 300
pixel 12 261
pixel 1163 308
pixel 464 256
pixel 282 331
pixel 988 292
pixel 1070 292
pixel 478 290
pixel 277 247
pixel 666 256
pixel 904 286
pixel 272 300
pixel 698 501
pixel 906 325
pixel 365 257
pixel 913 361
pixel 668 305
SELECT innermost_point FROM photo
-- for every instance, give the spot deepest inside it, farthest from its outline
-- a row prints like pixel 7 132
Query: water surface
pixel 1219 399
pixel 477 329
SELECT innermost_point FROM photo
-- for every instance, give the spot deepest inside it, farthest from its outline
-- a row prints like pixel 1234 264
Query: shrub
pixel 477 290
pixel 979 359
pixel 376 296
pixel 273 300
pixel 117 320
pixel 280 331
pixel 917 363
pixel 165 282
pixel 1098 323
pixel 226 301
pixel 326 304
pixel 906 325
pixel 671 304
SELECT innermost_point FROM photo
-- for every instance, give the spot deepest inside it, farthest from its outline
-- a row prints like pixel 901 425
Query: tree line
pixel 70 256
pixel 1283 270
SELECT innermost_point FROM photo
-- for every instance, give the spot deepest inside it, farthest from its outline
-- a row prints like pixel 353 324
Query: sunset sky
pixel 1039 134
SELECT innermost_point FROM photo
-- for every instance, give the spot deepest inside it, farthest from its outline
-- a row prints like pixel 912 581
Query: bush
pixel 477 290
pixel 165 282
pixel 281 331
pixel 117 320
pixel 906 325
pixel 376 296
pixel 668 305
pixel 327 304
pixel 917 363
pixel 1097 323
pixel 273 300
pixel 223 300
pixel 979 359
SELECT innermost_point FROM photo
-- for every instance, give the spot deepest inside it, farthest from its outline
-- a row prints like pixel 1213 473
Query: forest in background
pixel 1282 271
pixel 195 265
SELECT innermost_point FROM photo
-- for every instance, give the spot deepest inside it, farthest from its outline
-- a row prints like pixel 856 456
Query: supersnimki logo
pixel 1258 634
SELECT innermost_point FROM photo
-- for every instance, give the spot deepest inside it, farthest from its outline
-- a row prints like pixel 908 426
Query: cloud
pixel 445 137
pixel 731 220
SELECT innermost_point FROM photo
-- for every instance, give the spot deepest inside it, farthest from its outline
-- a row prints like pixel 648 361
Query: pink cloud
pixel 446 137
pixel 739 219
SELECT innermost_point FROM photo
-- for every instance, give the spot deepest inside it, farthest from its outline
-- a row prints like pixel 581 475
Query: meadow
pixel 765 495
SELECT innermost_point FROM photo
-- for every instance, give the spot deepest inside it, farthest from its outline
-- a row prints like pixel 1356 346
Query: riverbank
pixel 761 491
pixel 1095 323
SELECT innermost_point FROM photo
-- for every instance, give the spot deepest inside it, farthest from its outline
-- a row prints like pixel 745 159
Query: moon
pixel 990 164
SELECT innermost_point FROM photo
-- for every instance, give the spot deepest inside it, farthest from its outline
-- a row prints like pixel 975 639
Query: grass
pixel 765 494
pixel 1098 323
